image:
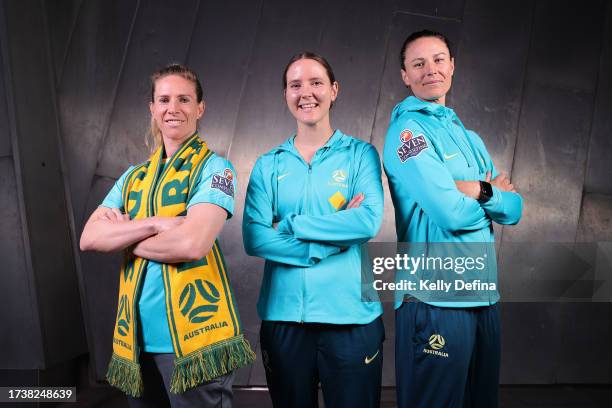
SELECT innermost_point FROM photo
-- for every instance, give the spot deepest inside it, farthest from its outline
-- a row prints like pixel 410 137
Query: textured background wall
pixel 532 78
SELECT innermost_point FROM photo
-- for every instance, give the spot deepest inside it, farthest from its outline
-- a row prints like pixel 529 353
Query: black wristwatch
pixel 486 192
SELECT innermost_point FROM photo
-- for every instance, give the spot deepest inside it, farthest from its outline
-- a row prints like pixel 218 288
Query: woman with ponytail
pixel 177 337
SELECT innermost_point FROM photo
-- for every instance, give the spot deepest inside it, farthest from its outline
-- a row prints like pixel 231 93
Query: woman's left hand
pixel 472 188
pixel 355 201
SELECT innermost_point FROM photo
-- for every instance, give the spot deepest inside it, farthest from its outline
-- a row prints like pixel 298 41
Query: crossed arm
pixel 261 237
pixel 161 239
pixel 505 207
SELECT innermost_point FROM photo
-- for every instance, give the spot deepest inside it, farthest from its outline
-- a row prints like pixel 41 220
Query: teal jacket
pixel 426 149
pixel 313 259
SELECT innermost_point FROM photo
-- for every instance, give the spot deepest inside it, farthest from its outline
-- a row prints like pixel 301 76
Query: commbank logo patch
pixel 206 308
pixel 337 200
pixel 411 145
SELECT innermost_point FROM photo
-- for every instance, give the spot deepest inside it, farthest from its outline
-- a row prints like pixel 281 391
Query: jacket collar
pixel 337 141
pixel 413 104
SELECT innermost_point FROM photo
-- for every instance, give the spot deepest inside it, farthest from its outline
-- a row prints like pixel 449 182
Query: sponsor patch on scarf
pixel 411 145
pixel 223 182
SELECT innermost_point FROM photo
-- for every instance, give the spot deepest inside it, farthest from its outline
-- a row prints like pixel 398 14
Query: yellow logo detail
pixel 368 360
pixel 436 341
pixel 337 200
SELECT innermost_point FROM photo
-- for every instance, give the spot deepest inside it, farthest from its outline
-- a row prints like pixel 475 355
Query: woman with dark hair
pixel 310 203
pixel 177 327
pixel 445 189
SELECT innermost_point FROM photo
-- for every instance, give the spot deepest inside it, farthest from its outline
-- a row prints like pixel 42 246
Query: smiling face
pixel 309 92
pixel 428 69
pixel 175 108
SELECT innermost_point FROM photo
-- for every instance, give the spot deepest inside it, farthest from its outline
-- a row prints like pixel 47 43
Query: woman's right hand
pixel 502 182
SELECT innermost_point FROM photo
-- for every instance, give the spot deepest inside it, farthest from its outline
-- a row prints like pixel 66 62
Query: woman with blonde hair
pixel 177 334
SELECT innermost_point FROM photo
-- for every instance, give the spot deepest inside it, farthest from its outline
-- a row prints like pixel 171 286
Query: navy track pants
pixel 447 357
pixel 345 358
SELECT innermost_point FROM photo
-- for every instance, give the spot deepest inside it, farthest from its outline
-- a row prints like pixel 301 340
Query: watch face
pixel 486 192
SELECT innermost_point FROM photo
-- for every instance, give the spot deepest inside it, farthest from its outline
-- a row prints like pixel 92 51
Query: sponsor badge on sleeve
pixel 411 145
pixel 223 182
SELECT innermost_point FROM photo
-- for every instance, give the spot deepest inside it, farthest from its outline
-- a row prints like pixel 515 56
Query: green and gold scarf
pixel 202 314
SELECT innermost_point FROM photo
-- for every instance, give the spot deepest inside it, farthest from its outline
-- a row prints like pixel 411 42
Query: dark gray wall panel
pixel 393 91
pixel 101 278
pixel 357 57
pixel 258 374
pixel 92 70
pixel 41 178
pixel 489 73
pixel 582 358
pixel 548 169
pixel 5 136
pixel 531 347
pixel 567 59
pixel 264 122
pixel 24 349
pixel 599 169
pixel 161 35
pixel 437 8
pixel 594 319
pixel 61 15
pixel 595 218
pixel 220 50
pixel 558 100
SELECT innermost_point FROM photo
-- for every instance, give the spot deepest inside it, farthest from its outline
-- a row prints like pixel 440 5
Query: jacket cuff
pixel 495 200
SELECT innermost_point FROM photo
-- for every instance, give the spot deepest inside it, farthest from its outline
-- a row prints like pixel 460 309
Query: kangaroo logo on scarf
pixel 224 182
pixel 203 312
pixel 411 145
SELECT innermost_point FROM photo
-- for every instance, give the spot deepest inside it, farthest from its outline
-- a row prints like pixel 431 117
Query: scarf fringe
pixel 210 362
pixel 125 375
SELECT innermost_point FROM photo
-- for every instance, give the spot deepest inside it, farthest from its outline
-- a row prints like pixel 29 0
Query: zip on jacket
pixel 312 271
pixel 426 149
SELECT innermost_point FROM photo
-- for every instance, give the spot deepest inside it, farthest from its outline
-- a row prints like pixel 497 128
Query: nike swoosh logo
pixel 282 176
pixel 450 156
pixel 368 360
